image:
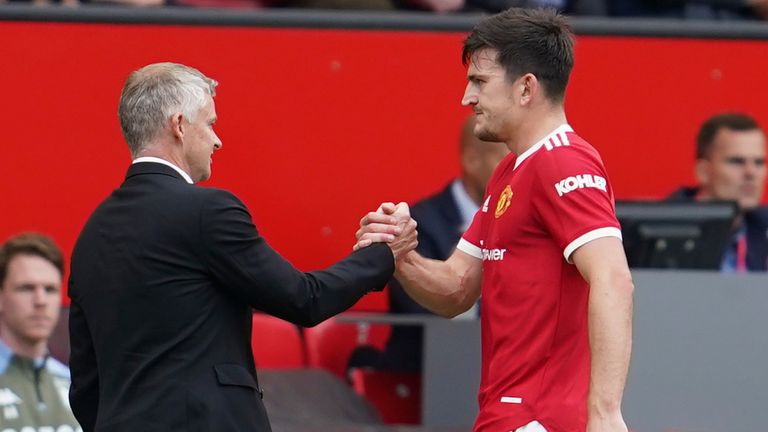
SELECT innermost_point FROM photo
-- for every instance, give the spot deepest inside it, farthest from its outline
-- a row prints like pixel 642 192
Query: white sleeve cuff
pixel 469 249
pixel 588 237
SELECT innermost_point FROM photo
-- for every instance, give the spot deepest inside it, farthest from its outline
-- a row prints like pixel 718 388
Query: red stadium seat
pixel 331 343
pixel 276 344
pixel 396 395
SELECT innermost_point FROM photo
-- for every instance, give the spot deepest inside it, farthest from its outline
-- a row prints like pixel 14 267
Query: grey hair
pixel 153 94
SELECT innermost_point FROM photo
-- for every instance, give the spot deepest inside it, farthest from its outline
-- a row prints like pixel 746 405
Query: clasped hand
pixel 391 224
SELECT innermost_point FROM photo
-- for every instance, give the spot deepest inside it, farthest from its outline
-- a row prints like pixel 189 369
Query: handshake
pixel 391 224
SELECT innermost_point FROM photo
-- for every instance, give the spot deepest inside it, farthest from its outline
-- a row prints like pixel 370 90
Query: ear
pixel 177 125
pixel 702 171
pixel 529 87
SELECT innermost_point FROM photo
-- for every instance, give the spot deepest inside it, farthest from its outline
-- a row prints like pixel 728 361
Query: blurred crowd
pixel 675 9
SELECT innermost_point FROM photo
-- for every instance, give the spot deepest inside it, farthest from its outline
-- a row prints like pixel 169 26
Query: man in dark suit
pixel 165 275
pixel 730 166
pixel 442 219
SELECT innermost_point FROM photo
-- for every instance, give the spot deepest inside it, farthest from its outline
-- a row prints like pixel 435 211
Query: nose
pixel 217 143
pixel 752 169
pixel 470 96
pixel 40 296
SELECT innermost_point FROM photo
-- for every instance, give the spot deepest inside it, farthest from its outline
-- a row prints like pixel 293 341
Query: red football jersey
pixel 540 207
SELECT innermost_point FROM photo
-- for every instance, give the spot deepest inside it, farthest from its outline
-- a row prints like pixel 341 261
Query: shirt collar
pixel 560 130
pixel 164 162
pixel 467 207
pixel 6 354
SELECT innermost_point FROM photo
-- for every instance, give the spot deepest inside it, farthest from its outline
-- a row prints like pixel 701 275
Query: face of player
pixel 29 301
pixel 491 96
pixel 735 169
pixel 200 141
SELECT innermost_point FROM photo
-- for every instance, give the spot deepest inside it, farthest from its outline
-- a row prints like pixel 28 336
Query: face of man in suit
pixel 200 141
pixel 735 168
pixel 29 302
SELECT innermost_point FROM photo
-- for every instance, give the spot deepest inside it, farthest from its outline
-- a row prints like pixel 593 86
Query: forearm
pixel 325 293
pixel 610 335
pixel 442 287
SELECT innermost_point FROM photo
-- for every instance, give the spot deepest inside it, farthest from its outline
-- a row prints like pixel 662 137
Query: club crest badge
pixel 504 200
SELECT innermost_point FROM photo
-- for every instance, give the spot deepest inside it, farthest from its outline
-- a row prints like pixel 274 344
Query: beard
pixel 485 134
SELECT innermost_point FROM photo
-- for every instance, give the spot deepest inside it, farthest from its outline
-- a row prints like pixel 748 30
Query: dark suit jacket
pixel 163 278
pixel 756 222
pixel 440 228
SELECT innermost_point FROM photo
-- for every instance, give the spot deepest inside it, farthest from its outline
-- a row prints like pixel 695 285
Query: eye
pixel 25 288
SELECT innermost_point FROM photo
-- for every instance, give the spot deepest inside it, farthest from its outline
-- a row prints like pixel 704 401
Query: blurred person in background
pixel 34 386
pixel 69 3
pixel 571 7
pixel 730 166
pixel 717 10
pixel 442 219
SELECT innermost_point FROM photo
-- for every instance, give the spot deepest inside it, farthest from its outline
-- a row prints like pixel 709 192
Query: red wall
pixel 319 126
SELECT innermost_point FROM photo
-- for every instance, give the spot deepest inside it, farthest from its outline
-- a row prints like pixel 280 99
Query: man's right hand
pixel 392 224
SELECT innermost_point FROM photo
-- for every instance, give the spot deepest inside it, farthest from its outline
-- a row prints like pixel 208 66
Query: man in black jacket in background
pixel 165 275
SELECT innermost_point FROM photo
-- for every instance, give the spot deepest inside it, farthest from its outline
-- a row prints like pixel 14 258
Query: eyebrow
pixel 742 159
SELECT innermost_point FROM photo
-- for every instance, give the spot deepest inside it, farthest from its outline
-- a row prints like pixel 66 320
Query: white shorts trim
pixel 588 237
pixel 469 249
pixel 510 399
pixel 533 426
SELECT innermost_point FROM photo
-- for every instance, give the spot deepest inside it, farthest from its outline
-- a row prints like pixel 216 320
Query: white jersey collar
pixel 555 134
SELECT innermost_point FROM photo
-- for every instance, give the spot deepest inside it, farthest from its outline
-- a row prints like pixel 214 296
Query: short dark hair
pixel 710 128
pixel 30 244
pixel 537 41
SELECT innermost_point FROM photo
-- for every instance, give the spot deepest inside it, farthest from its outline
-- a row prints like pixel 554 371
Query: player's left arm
pixel 603 265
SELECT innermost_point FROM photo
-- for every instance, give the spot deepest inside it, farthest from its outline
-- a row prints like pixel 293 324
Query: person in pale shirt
pixel 34 386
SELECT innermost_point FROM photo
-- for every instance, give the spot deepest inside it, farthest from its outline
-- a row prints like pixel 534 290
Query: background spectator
pixel 34 387
pixel 730 165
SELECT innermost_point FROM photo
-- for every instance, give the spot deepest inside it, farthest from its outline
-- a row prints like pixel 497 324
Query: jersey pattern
pixel 540 207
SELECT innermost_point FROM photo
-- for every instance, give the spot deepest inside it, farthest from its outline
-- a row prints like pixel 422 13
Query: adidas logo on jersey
pixel 485 204
pixel 557 140
pixel 570 184
pixel 9 402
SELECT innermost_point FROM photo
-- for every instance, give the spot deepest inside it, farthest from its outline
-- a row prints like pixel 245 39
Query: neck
pixel 21 347
pixel 530 132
